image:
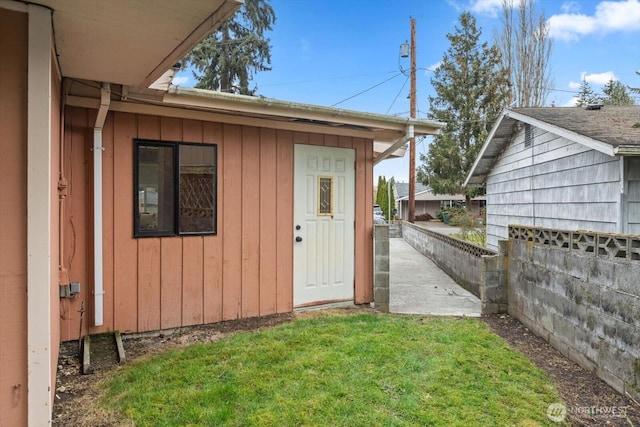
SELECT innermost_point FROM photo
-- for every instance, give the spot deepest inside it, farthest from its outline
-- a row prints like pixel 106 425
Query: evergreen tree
pixel 392 200
pixel 381 195
pixel 471 90
pixel 586 95
pixel 226 60
pixel 615 93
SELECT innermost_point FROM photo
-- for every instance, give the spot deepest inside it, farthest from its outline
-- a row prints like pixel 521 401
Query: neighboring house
pixel 427 202
pixel 160 207
pixel 566 168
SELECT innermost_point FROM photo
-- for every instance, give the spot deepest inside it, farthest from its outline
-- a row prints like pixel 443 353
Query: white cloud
pixel 594 79
pixel 454 5
pixel 609 16
pixel 599 79
pixel 181 80
pixel 570 7
pixel 569 27
pixel 431 68
pixel 488 7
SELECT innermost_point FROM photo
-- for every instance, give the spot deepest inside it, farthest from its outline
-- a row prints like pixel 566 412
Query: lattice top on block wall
pixel 608 245
pixel 474 250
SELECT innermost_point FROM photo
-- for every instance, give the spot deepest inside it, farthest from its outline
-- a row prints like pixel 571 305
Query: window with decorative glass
pixel 325 195
pixel 175 188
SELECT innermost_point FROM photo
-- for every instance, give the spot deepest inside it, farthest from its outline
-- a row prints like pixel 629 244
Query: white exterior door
pixel 324 215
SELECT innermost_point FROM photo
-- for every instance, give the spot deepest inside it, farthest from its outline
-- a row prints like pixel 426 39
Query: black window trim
pixel 175 148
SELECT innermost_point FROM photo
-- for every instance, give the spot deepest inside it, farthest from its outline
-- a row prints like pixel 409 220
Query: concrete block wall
pixel 580 291
pixel 395 229
pixel 493 281
pixel 477 269
pixel 381 267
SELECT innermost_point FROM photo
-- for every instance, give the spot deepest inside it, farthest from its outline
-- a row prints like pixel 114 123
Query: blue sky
pixel 345 53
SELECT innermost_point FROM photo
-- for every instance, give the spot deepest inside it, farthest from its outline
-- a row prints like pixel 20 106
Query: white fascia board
pixel 484 148
pixel 39 279
pixel 199 98
pixel 213 21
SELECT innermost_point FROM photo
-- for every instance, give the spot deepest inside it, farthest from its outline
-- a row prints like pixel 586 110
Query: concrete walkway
pixel 418 286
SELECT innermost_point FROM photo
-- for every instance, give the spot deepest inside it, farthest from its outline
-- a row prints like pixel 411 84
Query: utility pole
pixel 412 114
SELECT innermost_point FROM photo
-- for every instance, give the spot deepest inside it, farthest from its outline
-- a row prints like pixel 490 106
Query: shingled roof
pixel 612 130
pixel 612 125
pixel 402 189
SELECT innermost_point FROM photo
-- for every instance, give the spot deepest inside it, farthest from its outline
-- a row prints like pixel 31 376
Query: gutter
pixel 98 288
pixel 395 145
pixel 260 106
pixel 627 150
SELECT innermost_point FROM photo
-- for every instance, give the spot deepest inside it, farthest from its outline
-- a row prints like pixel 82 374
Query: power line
pixel 326 79
pixel 366 90
pixel 399 92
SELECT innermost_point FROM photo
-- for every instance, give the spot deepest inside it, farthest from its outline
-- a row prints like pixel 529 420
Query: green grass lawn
pixel 340 370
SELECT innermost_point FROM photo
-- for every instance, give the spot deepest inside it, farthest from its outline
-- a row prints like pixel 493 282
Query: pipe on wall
pixel 98 288
pixel 63 185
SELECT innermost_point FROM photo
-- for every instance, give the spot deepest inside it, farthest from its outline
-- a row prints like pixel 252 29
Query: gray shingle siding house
pixel 567 168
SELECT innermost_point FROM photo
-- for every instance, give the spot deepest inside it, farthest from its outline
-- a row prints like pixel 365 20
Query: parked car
pixel 378 216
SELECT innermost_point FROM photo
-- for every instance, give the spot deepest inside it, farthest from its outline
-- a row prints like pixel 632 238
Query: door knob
pixel 298 239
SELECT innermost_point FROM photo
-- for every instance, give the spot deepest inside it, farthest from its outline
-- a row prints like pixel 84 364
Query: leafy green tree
pixel 615 93
pixel 226 60
pixel 471 89
pixel 586 95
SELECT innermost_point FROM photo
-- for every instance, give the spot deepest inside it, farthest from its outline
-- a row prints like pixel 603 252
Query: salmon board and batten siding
pixel 245 270
pixel 554 183
pixel 13 218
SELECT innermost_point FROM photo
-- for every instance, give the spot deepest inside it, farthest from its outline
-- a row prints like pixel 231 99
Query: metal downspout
pixel 98 288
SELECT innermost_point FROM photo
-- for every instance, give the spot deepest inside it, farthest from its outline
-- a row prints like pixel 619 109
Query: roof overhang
pixel 198 104
pixel 381 128
pixel 505 129
pixel 430 196
pixel 130 42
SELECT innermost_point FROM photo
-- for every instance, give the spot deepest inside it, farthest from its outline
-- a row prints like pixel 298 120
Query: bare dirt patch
pixel 77 394
pixel 581 390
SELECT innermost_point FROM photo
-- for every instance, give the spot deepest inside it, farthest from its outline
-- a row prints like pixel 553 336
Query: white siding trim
pixel 623 206
pixel 39 217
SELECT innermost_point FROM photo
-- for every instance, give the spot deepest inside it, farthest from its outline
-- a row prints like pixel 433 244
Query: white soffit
pixel 380 147
pixel 130 42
